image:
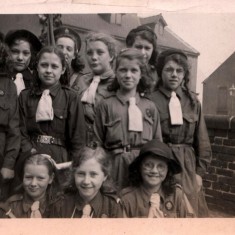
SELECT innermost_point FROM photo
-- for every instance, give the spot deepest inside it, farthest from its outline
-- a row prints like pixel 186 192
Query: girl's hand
pixel 199 182
pixel 7 173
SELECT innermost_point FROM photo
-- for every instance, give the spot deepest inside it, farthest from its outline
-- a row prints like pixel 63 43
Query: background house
pixel 218 92
pixel 118 25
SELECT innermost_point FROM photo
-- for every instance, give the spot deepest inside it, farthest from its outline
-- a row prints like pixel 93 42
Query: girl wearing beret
pixel 183 125
pixel 101 51
pixel 127 119
pixel 69 42
pixel 23 46
pixel 153 193
pixel 144 39
pixel 51 114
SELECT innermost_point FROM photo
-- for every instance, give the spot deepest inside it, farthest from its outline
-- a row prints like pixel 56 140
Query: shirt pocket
pixel 147 128
pixel 4 117
pixel 59 122
pixel 190 121
pixel 114 132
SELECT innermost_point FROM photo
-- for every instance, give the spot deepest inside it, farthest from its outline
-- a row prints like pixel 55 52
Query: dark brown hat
pixel 162 57
pixel 68 32
pixel 22 33
pixel 159 150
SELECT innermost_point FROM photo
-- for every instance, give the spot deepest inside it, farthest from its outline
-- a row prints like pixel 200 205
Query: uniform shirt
pixel 193 132
pixel 103 206
pixel 20 205
pixel 111 123
pixel 67 125
pixel 136 203
pixel 9 124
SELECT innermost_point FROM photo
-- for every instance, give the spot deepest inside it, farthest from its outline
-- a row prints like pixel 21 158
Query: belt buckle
pixel 44 139
pixel 127 148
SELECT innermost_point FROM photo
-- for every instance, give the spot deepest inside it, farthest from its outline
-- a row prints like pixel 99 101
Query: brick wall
pixel 219 181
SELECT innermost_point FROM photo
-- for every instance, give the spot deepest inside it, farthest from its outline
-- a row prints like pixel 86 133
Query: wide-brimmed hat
pixel 162 57
pixel 160 150
pixel 66 31
pixel 22 33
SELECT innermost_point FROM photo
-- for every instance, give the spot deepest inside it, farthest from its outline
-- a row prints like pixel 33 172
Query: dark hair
pixel 145 33
pixel 51 49
pixel 135 177
pixel 181 59
pixel 133 54
pixel 102 158
pixel 77 63
pixel 109 41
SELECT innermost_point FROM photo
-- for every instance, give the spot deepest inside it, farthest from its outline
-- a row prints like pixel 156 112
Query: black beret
pixel 66 31
pixel 164 55
pixel 22 33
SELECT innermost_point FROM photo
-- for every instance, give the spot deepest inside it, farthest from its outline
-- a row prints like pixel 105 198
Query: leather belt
pixel 124 149
pixel 46 139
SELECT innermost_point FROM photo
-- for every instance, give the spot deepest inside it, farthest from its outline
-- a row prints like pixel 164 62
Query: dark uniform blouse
pixel 9 124
pixel 81 85
pixel 104 205
pixel 136 203
pixel 20 205
pixel 67 125
pixel 189 142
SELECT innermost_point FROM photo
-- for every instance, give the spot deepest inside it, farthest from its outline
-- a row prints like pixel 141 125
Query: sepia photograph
pixel 117 111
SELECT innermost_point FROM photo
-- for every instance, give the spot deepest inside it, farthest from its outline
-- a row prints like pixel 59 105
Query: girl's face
pixel 128 74
pixel 36 180
pixel 89 178
pixel 67 46
pixel 172 75
pixel 153 171
pixel 144 46
pixel 21 55
pixel 98 57
pixel 50 69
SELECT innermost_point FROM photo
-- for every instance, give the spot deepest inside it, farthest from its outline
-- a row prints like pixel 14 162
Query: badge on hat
pixel 2 93
pixel 169 205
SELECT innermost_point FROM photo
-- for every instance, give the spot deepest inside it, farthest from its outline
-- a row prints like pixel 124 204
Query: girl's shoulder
pixel 129 193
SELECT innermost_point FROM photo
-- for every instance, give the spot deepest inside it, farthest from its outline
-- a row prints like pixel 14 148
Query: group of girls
pixel 127 139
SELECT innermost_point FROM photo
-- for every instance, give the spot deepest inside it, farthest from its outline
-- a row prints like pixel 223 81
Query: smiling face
pixel 153 172
pixel 144 46
pixel 128 74
pixel 98 57
pixel 49 69
pixel 67 46
pixel 89 178
pixel 36 180
pixel 21 55
pixel 172 75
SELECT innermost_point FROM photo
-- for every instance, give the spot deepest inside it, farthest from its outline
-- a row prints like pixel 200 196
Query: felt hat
pixel 160 150
pixel 68 32
pixel 27 35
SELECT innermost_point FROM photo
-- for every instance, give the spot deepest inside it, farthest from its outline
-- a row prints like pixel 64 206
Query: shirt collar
pixel 124 100
pixel 27 203
pixel 53 91
pixel 167 93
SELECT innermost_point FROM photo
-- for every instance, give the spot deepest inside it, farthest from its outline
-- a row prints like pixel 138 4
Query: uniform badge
pixel 2 93
pixel 66 31
pixel 148 112
pixel 169 205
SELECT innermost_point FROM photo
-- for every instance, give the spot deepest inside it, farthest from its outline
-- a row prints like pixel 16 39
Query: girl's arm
pixel 201 144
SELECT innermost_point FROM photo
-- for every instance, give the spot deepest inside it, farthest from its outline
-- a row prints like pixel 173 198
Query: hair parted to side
pixel 146 33
pixel 108 40
pixel 181 59
pixel 133 54
pixel 64 79
pixel 102 158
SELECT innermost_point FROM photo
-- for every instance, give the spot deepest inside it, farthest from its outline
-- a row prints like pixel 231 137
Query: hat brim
pixel 22 33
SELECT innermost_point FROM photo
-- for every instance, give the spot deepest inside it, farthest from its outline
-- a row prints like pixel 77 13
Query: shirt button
pixel 61 117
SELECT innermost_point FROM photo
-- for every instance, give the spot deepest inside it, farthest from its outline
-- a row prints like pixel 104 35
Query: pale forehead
pixel 140 40
pixel 154 159
pixel 65 41
pixel 173 64
pixel 97 45
pixel 50 56
pixel 90 165
pixel 21 43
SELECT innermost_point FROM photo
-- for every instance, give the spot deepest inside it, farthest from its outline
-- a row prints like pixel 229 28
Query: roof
pixel 229 60
pixel 97 22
